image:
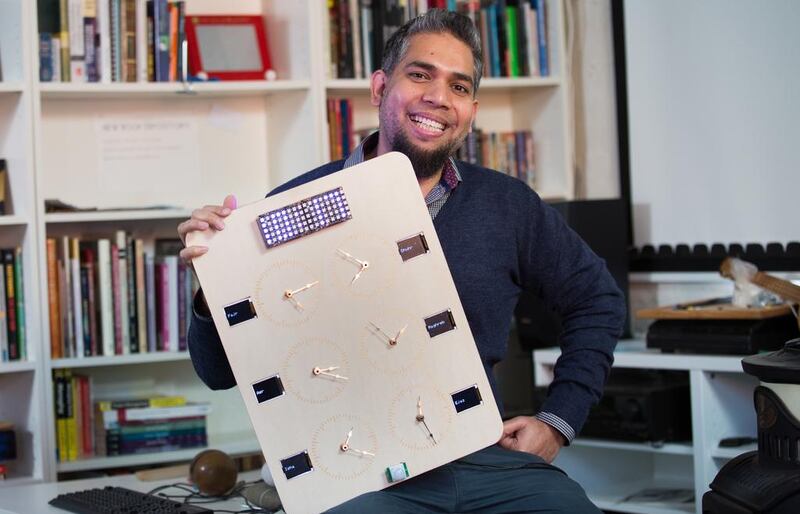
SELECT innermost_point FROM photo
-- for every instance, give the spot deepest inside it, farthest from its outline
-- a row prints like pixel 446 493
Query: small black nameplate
pixel 296 465
pixel 268 389
pixel 240 312
pixel 440 323
pixel 412 247
pixel 467 398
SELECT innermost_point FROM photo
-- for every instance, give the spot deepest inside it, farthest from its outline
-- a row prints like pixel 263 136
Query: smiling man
pixel 499 239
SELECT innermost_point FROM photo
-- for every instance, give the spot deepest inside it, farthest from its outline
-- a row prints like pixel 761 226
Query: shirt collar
pixel 451 177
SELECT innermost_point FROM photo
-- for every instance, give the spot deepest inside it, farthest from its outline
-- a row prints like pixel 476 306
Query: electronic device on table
pixel 346 335
pixel 112 500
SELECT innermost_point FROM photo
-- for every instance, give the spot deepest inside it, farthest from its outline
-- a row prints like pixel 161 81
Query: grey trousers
pixel 492 480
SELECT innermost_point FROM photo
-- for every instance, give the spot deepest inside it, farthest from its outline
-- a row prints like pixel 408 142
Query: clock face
pixel 363 265
pixel 420 418
pixel 393 341
pixel 288 293
pixel 315 370
pixel 344 446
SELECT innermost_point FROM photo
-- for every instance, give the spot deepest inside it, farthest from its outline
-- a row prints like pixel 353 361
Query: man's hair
pixel 435 21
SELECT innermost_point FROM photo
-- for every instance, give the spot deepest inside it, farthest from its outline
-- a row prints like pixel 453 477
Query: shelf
pixel 11 87
pixel 12 219
pixel 692 277
pixel 666 448
pixel 119 360
pixel 16 367
pixel 76 91
pixel 351 86
pixel 232 444
pixel 634 354
pixel 613 498
pixel 11 482
pixel 120 215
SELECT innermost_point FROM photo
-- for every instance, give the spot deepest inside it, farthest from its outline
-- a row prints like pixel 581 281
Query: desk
pixel 33 498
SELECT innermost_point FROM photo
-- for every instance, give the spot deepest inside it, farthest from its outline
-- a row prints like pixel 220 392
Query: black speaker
pixel 603 225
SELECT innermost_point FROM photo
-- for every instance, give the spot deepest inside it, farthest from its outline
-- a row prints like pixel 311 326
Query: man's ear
pixel 377 86
pixel 474 114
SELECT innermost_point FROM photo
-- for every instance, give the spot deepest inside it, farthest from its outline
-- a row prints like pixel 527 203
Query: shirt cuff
pixel 559 424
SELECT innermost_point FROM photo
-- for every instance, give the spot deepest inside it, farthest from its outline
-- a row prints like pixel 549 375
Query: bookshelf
pixel 242 137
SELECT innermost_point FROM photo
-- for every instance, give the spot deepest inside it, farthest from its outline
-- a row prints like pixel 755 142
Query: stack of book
pixel 513 33
pixel 343 137
pixel 149 425
pixel 114 297
pixel 509 152
pixel 87 428
pixel 12 306
pixel 111 40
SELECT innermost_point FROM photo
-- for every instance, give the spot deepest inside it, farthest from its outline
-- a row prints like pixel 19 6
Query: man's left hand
pixel 528 434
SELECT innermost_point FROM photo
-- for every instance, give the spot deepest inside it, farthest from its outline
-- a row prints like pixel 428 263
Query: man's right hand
pixel 205 218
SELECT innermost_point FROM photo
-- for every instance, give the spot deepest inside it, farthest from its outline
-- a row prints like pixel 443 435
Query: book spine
pixel 104 47
pixel 115 294
pixel 161 34
pixel 141 296
pixel 156 401
pixel 60 397
pixel 172 302
pixel 145 413
pixel 45 57
pixel 131 301
pixel 11 305
pixel 181 296
pixel 129 40
pixel 77 64
pixel 173 41
pixel 77 417
pixel 77 297
pixel 86 415
pixel 541 19
pixel 90 40
pixel 20 289
pixel 533 39
pixel 151 294
pixel 53 300
pixel 141 40
pixel 3 322
pixel 106 301
pixel 124 315
pixel 512 41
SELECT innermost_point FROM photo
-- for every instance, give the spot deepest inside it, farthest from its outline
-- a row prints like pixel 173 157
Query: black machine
pixel 721 336
pixel 768 480
pixel 113 500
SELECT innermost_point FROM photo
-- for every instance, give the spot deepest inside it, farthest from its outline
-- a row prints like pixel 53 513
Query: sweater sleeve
pixel 560 268
pixel 205 348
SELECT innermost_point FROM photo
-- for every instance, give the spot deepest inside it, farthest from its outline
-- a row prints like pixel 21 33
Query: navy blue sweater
pixel 499 238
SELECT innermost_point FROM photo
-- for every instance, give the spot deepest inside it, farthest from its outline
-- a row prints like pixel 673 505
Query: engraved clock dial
pixel 315 370
pixel 362 265
pixel 288 293
pixel 420 418
pixel 344 446
pixel 394 340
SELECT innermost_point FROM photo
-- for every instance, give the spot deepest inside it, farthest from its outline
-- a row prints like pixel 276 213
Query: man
pixel 498 238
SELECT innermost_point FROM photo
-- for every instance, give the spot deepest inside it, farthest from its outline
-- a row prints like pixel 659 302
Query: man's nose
pixel 437 93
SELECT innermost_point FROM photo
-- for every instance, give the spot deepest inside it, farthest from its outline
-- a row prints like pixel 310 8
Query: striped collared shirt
pixel 437 197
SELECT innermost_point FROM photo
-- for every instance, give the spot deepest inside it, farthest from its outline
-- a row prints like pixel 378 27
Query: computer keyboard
pixel 118 500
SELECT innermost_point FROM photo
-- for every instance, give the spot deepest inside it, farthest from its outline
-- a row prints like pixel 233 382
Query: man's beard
pixel 426 162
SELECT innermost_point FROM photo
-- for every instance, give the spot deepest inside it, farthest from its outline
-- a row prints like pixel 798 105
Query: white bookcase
pixel 721 396
pixel 240 137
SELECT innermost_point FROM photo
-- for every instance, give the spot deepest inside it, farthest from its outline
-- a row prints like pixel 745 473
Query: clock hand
pixel 289 296
pixel 300 290
pixel 319 371
pixel 397 337
pixel 363 264
pixel 421 419
pixel 362 452
pixel 344 446
pixel 389 339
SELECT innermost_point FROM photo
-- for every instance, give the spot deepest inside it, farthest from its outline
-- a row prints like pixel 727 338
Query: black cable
pixel 197 498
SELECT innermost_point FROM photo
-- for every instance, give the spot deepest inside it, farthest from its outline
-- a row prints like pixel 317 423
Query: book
pixel 63 10
pixel 77 58
pixel 90 40
pixel 4 189
pixel 123 415
pixel 106 318
pixel 541 29
pixel 141 296
pixel 122 294
pixel 77 299
pixel 153 401
pixel 104 40
pixel 4 357
pixel 49 26
pixel 11 304
pixel 60 406
pixel 20 290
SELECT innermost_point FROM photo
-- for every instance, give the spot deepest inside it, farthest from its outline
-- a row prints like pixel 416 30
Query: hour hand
pixel 389 339
pixel 327 372
pixel 351 258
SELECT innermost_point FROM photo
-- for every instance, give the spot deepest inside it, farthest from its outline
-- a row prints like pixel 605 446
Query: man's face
pixel 426 107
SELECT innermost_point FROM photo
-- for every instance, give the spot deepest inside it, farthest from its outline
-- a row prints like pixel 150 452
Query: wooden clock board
pixel 346 336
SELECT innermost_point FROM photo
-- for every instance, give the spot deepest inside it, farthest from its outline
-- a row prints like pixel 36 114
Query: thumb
pixel 512 425
pixel 229 202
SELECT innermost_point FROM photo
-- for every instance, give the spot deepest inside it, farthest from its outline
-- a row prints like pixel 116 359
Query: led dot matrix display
pixel 304 217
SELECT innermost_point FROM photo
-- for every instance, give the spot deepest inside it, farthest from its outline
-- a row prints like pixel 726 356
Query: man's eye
pixel 461 89
pixel 416 75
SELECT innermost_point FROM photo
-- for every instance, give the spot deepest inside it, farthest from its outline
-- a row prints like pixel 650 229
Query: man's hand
pixel 210 216
pixel 528 434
